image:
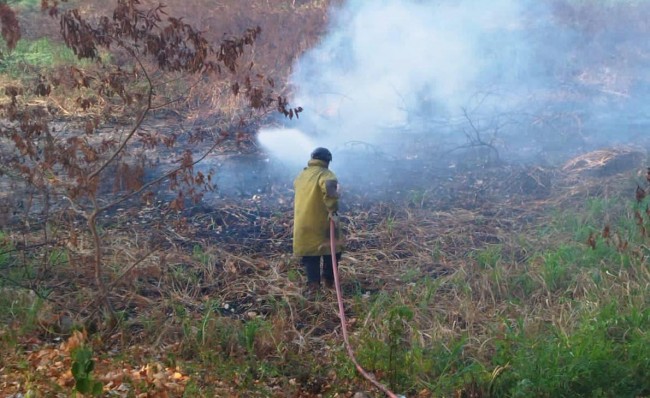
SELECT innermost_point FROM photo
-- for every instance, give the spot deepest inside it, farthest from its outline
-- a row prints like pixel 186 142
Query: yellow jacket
pixel 316 194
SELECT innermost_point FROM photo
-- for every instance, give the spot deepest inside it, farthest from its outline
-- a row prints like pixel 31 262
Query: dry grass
pixel 469 273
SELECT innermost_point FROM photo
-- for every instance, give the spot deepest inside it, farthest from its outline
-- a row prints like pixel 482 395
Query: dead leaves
pixel 160 381
pixel 10 27
pixel 49 366
pixel 283 107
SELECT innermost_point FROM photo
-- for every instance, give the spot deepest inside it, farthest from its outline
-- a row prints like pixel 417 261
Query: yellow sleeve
pixel 329 188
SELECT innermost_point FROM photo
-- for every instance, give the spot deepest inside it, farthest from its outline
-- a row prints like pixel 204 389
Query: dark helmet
pixel 322 154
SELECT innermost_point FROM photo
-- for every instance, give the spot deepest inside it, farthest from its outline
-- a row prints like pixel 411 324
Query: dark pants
pixel 312 266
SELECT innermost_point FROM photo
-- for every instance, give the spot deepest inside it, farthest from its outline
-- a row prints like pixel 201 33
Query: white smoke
pixel 449 68
pixel 385 60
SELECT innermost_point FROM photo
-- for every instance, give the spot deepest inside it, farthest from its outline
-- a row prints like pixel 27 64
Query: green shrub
pixel 82 368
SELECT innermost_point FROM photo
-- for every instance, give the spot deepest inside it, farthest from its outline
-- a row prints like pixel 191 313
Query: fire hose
pixel 344 329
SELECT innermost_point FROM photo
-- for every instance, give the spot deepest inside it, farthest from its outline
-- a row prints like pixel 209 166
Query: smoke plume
pixel 397 73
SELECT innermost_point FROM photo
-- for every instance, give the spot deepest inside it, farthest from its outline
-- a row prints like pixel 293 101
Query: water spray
pixel 289 145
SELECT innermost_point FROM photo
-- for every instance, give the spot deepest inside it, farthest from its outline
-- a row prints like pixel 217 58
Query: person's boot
pixel 329 283
pixel 312 290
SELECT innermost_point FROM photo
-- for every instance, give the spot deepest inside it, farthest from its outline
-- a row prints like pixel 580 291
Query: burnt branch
pixel 475 137
pixel 163 177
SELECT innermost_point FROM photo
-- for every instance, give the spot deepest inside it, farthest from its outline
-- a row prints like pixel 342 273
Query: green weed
pixel 248 336
pixel 522 286
pixel 57 257
pixel 427 289
pixel 293 275
pixel 608 355
pixel 397 345
pixel 411 275
pixel 20 308
pixel 390 224
pixel 436 252
pixel 18 305
pixel 5 250
pixel 450 369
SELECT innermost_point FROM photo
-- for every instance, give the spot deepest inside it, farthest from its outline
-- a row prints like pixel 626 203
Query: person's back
pixel 316 200
pixel 311 208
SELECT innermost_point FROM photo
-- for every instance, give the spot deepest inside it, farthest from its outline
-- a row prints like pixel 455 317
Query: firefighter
pixel 316 202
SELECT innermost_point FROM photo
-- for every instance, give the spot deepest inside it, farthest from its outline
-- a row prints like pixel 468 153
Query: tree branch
pixel 159 179
pixel 135 128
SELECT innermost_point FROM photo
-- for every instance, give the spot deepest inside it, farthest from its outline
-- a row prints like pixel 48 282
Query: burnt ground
pixel 456 209
pixel 248 214
pixel 231 253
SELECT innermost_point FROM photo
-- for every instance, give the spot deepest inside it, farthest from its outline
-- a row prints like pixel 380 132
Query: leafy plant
pixel 82 368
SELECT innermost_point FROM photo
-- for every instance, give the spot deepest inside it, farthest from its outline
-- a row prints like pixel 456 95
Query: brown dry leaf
pixel 31 340
pixel 114 376
pixel 424 394
pixel 74 341
pixel 66 379
pixel 230 266
pixel 46 359
pixel 175 387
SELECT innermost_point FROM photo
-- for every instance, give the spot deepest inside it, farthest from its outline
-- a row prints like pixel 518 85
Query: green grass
pixel 40 53
pixel 200 255
pixel 576 323
pixel 408 366
pixel 18 306
pixel 606 356
pixel 489 256
pixel 25 4
pixel 5 251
